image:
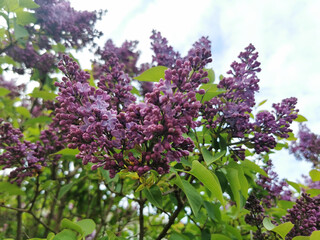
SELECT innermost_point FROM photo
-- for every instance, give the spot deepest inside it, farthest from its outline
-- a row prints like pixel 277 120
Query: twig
pixel 141 217
pixel 172 217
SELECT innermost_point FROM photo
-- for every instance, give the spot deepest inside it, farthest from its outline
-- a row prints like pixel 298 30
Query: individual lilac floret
pixel 26 158
pixel 305 215
pixel 307 146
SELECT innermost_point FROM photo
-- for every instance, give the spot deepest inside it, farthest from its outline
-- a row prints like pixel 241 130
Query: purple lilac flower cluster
pixel 126 55
pixel 307 146
pixel 31 59
pixel 110 131
pixel 272 189
pixel 24 157
pixel 164 55
pixel 59 20
pixel 255 217
pixel 15 90
pixel 305 215
pixel 230 112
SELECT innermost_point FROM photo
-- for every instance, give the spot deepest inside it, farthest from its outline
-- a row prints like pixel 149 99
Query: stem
pixel 172 218
pixel 19 220
pixel 141 220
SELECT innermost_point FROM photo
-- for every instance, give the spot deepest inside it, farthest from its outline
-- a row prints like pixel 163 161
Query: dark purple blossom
pixel 64 24
pixel 23 157
pixel 307 146
pixel 305 215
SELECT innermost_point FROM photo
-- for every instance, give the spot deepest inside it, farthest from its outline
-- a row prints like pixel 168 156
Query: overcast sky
pixel 286 34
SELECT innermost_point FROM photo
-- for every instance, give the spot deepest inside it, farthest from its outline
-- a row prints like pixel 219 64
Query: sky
pixel 285 33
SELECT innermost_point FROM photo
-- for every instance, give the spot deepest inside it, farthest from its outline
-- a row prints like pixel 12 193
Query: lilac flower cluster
pixel 272 189
pixel 31 59
pixel 114 132
pixel 61 22
pixel 305 215
pixel 255 217
pixel 307 146
pixel 126 55
pixel 24 157
pixel 15 90
pixel 164 55
pixel 229 112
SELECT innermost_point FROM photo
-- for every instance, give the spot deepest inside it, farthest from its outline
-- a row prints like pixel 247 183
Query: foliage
pixel 157 151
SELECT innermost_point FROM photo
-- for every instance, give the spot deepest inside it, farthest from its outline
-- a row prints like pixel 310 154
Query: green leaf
pixel 50 236
pixel 211 75
pixel 300 118
pixel 218 236
pixel 233 178
pixel 28 4
pixel 234 231
pixel 68 152
pixel 211 91
pixel 294 185
pixel 10 189
pixel 268 224
pixel 4 91
pixel 45 95
pixel 154 195
pixel 285 204
pixel 313 192
pixel 315 175
pixel 315 235
pixel 135 91
pixel 208 178
pixel 282 229
pixel 23 111
pixel 194 198
pixel 253 167
pixel 205 234
pixel 262 102
pixel 209 158
pixel 66 234
pixel 178 236
pixel 87 226
pixel 25 18
pixel 41 119
pixel 153 74
pixel 20 31
pixel 301 238
pixel 213 210
pixel 66 223
pixel 65 189
pixel 291 137
pixel 11 5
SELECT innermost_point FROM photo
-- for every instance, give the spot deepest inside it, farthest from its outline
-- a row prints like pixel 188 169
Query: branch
pixel 22 210
pixel 172 218
pixel 141 220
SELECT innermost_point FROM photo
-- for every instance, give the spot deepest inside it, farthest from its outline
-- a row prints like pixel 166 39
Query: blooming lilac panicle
pixel 307 146
pixel 26 158
pixel 274 188
pixel 15 90
pixel 31 59
pixel 164 55
pixel 305 215
pixel 126 54
pixel 116 83
pixel 64 24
